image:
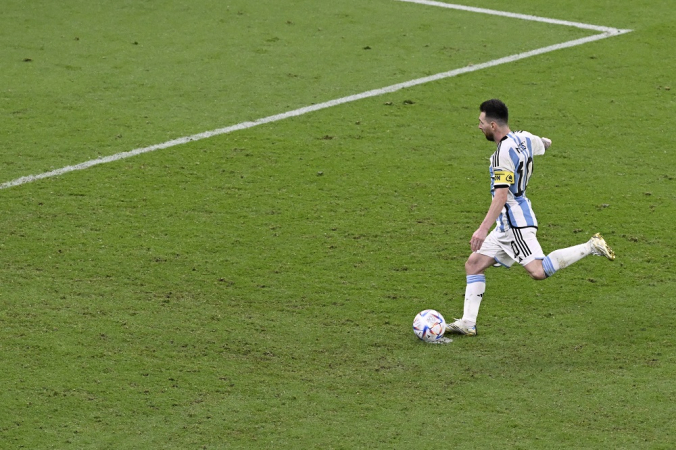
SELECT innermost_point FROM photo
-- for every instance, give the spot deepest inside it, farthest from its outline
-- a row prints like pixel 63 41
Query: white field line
pixel 606 32
pixel 493 12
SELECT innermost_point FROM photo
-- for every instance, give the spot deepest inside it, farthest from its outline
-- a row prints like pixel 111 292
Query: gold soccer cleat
pixel 600 247
pixel 459 327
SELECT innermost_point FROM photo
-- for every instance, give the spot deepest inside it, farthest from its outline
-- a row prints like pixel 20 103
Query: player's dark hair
pixel 496 110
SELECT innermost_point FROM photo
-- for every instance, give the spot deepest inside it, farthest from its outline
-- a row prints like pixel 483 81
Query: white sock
pixel 474 293
pixel 564 257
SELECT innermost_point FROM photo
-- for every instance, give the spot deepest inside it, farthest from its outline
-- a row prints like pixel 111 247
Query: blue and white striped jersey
pixel 511 167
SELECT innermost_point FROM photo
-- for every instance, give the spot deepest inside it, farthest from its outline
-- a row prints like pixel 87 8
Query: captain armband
pixel 503 178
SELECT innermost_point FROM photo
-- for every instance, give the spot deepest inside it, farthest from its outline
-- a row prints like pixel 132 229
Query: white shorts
pixel 514 245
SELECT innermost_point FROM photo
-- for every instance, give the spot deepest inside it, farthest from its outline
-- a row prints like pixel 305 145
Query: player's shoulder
pixel 518 141
pixel 522 134
pixel 509 142
pixel 502 155
pixel 534 142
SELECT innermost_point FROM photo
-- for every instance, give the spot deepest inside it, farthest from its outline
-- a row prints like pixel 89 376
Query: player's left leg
pixel 562 258
pixel 527 251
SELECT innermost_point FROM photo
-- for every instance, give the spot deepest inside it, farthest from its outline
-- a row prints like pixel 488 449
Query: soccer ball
pixel 429 325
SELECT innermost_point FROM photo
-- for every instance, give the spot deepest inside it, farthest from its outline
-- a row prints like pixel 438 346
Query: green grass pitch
pixel 257 289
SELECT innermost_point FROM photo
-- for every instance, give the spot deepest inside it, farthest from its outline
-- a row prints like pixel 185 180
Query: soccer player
pixel 514 237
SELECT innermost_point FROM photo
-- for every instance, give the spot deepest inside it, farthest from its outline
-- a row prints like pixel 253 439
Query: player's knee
pixel 477 264
pixel 469 267
pixel 473 267
pixel 536 270
pixel 537 274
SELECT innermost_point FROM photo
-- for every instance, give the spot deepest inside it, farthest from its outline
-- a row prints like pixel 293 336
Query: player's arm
pixel 540 144
pixel 499 200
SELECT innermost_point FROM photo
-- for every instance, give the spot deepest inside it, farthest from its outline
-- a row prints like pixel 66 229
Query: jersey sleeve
pixel 538 145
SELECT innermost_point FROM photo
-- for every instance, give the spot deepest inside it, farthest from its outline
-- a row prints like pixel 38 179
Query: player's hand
pixel 478 239
pixel 547 142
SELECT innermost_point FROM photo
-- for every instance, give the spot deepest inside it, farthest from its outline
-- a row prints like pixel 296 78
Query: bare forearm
pixel 499 200
pixel 479 236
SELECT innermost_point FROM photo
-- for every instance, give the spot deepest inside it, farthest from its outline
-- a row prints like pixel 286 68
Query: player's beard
pixel 489 136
